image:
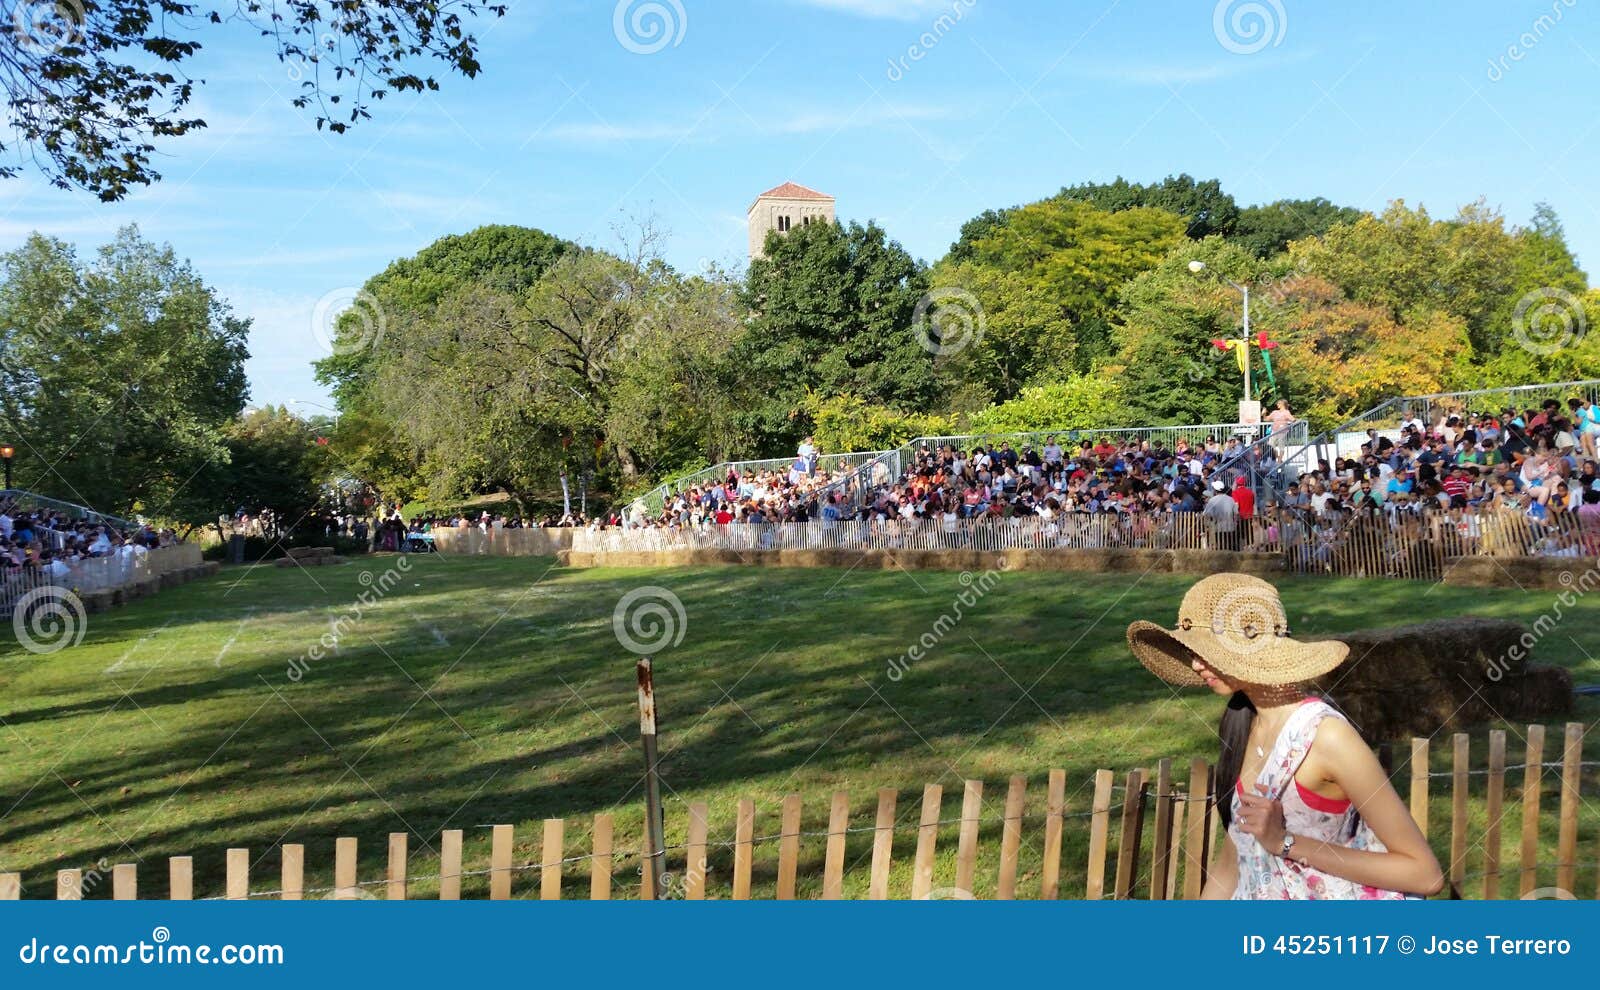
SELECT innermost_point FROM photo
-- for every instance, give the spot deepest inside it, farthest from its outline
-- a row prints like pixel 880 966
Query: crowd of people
pixel 1443 480
pixel 1450 478
pixel 53 543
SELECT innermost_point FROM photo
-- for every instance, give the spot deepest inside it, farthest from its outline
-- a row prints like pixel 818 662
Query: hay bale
pixel 1442 675
pixel 305 553
pixel 1202 561
pixel 1542 691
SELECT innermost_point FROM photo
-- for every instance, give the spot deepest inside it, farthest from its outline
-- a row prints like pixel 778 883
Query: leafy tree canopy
pixel 91 84
pixel 118 376
pixel 833 309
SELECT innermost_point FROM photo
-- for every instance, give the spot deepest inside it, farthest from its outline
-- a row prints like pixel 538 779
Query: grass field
pixel 485 691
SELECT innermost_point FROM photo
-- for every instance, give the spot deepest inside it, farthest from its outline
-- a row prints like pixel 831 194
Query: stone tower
pixel 783 208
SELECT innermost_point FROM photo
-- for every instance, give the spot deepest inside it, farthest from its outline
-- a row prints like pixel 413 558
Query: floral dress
pixel 1263 875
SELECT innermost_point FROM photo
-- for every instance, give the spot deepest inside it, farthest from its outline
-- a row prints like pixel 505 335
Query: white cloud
pixel 1179 74
pixel 897 10
pixel 729 122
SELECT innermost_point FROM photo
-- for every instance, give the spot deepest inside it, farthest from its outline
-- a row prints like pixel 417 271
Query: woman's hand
pixel 1262 817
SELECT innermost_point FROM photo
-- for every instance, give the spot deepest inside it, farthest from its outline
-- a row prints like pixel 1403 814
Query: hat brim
pixel 1280 660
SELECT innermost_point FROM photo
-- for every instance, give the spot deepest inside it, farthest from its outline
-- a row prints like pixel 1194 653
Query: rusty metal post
pixel 654 824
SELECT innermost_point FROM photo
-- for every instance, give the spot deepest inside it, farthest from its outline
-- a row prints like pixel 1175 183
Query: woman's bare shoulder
pixel 1337 741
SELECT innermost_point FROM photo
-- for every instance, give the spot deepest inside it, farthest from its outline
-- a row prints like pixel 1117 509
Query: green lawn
pixel 486 691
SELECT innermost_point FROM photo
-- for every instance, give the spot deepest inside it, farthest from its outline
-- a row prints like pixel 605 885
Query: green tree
pixel 1409 262
pixel 604 363
pixel 276 461
pixel 1204 207
pixel 832 310
pixel 1167 317
pixel 117 377
pixel 373 439
pixel 92 82
pixel 1070 256
pixel 1079 402
pixel 847 423
pixel 1268 229
pixel 1025 336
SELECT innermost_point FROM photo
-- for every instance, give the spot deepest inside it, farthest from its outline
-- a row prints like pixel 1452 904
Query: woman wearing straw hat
pixel 1308 810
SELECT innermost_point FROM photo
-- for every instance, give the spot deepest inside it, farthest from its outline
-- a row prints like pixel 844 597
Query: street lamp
pixel 7 452
pixel 1197 266
pixel 314 405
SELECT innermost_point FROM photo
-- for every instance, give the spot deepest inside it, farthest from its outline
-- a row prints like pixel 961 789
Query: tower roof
pixel 791 190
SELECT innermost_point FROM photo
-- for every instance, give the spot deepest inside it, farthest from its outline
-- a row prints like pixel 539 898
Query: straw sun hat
pixel 1237 625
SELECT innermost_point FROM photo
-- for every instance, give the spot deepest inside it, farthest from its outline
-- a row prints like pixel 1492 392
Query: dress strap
pixel 1294 742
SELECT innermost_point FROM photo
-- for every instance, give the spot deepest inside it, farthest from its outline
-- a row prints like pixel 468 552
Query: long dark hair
pixel 1234 731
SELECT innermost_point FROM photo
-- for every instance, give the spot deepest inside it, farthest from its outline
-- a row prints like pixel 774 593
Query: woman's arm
pixel 1346 760
pixel 1223 878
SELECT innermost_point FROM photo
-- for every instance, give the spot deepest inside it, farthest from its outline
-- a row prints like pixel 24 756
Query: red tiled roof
pixel 793 190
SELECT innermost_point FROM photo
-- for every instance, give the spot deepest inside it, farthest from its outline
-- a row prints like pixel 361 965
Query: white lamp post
pixel 1197 267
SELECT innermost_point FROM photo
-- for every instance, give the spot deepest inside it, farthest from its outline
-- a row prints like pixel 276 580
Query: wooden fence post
pixel 1494 811
pixel 927 839
pixel 1160 860
pixel 69 885
pixel 345 882
pixel 1419 783
pixel 655 855
pixel 1099 827
pixel 694 853
pixel 882 845
pixel 967 840
pixel 744 832
pixel 1175 847
pixel 833 866
pixel 10 886
pixel 1460 760
pixel 500 842
pixel 125 882
pixel 788 846
pixel 600 865
pixel 398 856
pixel 1197 845
pixel 555 835
pixel 1532 786
pixel 450 865
pixel 294 872
pixel 1132 831
pixel 180 878
pixel 1571 781
pixel 1011 838
pixel 1055 808
pixel 238 879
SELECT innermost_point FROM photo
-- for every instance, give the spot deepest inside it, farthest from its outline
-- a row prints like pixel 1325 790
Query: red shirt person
pixel 1244 498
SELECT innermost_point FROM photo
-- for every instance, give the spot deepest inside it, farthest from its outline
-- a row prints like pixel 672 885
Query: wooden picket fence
pixel 1148 837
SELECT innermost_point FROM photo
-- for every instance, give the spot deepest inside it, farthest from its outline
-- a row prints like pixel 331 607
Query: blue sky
pixel 575 126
